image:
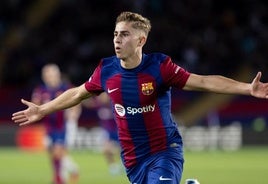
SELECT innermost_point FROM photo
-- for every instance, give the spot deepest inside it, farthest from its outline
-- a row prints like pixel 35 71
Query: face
pixel 51 76
pixel 127 40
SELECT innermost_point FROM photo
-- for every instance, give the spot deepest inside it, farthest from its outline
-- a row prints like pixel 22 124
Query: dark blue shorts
pixel 113 136
pixel 57 137
pixel 162 168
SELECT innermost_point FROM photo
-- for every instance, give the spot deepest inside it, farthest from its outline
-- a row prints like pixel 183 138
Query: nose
pixel 117 39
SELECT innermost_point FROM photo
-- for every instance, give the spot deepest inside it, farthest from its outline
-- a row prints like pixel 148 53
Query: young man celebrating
pixel 139 85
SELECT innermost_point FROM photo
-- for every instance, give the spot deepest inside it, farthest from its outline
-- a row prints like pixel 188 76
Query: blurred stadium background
pixel 205 37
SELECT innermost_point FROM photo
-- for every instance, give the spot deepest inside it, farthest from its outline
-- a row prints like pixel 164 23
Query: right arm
pixel 66 100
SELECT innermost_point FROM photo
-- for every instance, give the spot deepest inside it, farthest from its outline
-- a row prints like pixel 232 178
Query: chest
pixel 133 89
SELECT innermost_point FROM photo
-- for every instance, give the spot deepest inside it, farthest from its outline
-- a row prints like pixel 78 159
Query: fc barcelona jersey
pixel 141 103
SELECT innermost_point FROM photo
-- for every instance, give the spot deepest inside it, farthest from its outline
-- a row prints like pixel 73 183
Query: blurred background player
pixel 111 148
pixel 60 126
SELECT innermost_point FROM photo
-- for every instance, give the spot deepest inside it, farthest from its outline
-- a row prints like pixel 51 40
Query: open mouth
pixel 117 49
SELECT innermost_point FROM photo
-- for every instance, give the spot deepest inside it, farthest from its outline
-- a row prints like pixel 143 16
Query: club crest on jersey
pixel 147 88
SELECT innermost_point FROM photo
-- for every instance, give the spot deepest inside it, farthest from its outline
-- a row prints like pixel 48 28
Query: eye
pixel 125 34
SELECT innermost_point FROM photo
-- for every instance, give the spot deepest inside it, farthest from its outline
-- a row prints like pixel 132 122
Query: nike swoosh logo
pixel 161 178
pixel 112 90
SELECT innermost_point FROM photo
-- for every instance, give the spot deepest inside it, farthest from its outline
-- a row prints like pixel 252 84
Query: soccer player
pixel 111 147
pixel 139 85
pixel 57 123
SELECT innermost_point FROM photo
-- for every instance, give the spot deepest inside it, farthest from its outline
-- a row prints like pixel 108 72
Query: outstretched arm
pixel 35 112
pixel 220 84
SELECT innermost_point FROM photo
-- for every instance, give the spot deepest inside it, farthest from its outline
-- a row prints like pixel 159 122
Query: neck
pixel 131 62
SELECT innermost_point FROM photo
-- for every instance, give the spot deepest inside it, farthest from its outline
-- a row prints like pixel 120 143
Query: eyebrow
pixel 121 31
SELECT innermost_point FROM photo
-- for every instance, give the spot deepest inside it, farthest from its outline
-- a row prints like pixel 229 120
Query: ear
pixel 142 41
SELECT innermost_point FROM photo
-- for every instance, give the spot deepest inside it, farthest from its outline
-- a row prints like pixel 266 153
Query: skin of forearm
pixel 66 100
pixel 220 84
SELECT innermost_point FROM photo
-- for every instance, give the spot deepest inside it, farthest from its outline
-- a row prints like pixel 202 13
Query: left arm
pixel 221 84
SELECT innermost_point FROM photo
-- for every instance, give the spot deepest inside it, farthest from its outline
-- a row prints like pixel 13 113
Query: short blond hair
pixel 139 22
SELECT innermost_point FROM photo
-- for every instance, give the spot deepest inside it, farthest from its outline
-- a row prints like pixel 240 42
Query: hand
pixel 30 115
pixel 258 88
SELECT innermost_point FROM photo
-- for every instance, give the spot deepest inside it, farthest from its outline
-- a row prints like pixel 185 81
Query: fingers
pixel 21 120
pixel 20 113
pixel 258 77
pixel 16 117
pixel 19 117
pixel 25 123
pixel 25 102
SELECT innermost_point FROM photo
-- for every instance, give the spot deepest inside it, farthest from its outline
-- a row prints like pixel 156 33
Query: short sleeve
pixel 93 85
pixel 172 74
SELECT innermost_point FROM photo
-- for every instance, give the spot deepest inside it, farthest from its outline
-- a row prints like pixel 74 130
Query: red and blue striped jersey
pixel 141 103
pixel 54 122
